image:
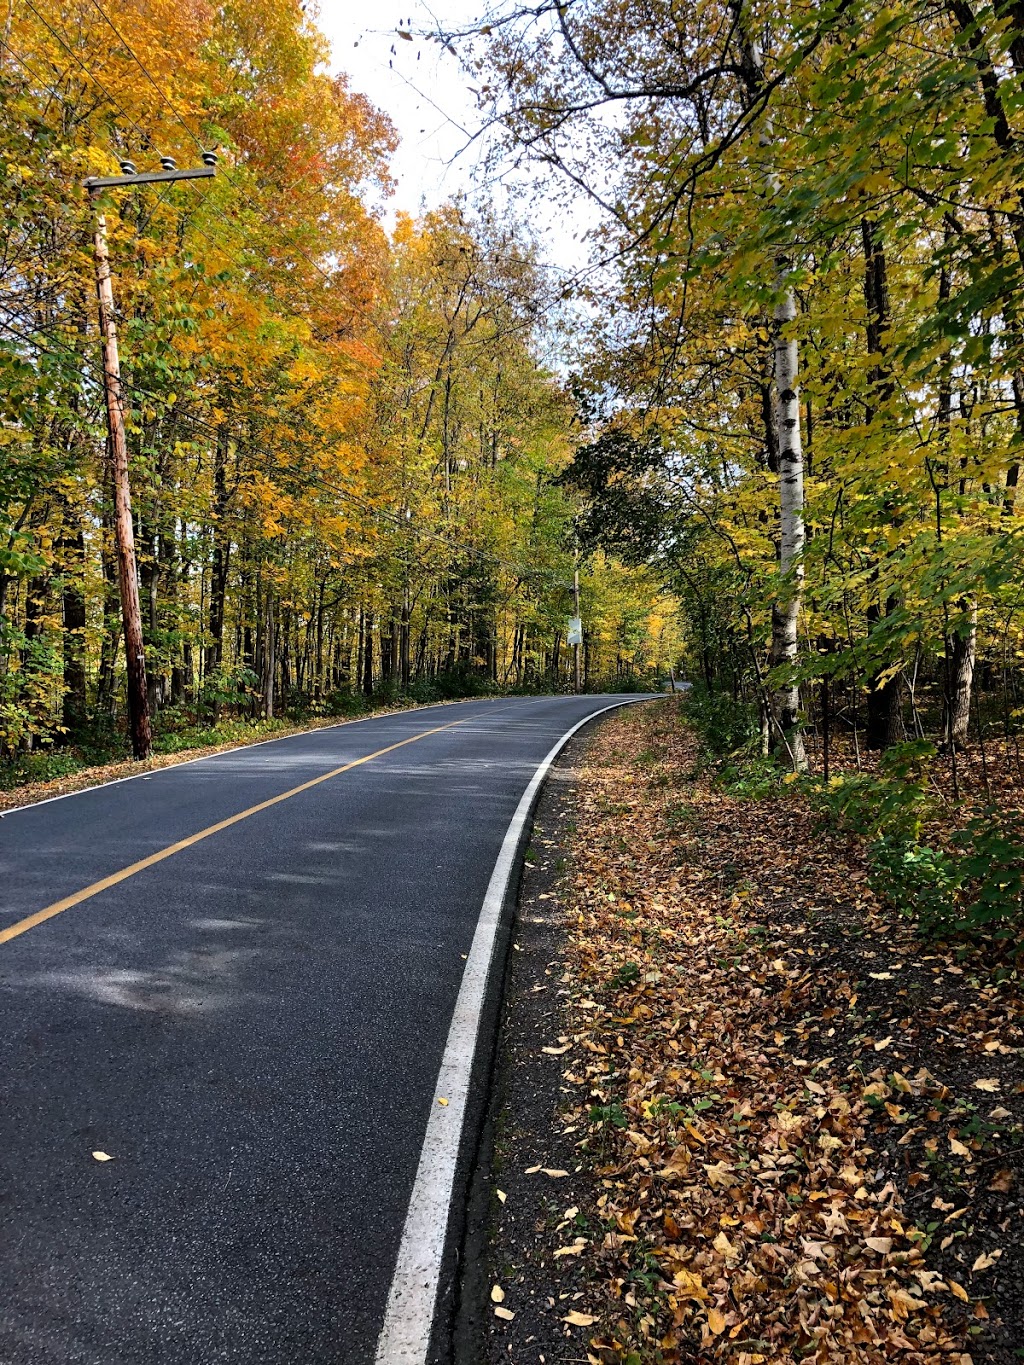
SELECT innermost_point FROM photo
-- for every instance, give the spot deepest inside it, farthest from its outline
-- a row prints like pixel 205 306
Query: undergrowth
pixel 954 871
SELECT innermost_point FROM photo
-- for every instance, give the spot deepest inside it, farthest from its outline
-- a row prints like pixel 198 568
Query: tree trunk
pixel 221 556
pixel 75 703
pixel 368 656
pixel 962 655
pixel 269 655
pixel 786 610
pixel 885 721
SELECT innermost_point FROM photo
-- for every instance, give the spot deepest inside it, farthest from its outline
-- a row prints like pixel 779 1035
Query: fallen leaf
pixel 502 1196
pixel 101 1156
pixel 883 1245
pixel 720 1174
pixel 556 1051
pixel 505 1314
pixel 989 1085
pixel 716 1322
pixel 443 1102
pixel 497 1294
pixel 579 1319
pixel 987 1260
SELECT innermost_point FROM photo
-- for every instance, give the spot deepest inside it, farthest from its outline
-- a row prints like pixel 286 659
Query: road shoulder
pixel 736 1108
pixel 514 1200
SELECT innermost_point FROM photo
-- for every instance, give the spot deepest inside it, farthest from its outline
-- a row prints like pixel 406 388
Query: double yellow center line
pixel 22 926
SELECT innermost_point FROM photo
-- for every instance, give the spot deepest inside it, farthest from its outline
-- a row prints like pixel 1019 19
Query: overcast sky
pixel 424 91
pixel 417 84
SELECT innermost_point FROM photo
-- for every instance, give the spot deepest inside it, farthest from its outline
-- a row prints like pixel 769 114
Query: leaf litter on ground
pixel 776 1088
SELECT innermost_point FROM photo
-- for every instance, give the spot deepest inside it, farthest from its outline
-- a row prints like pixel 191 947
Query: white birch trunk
pixel 786 611
pixel 785 700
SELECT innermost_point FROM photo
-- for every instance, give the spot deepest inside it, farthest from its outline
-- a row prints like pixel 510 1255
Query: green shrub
pixel 723 723
pixel 888 804
pixel 992 875
pixel 344 702
pixel 754 777
pixel 917 880
pixel 975 888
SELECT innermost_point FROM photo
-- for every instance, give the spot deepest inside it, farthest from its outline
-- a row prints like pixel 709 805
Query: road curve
pixel 250 1025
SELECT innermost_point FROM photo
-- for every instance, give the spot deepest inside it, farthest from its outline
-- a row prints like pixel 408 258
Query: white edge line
pixel 409 1316
pixel 238 748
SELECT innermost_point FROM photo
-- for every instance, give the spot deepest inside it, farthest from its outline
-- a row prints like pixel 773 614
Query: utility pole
pixel 124 532
pixel 579 626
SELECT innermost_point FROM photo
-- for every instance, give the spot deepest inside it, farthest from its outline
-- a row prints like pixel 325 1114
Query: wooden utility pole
pixel 576 613
pixel 124 532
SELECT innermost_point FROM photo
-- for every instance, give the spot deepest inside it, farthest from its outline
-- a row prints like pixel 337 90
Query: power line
pixel 146 140
pixel 131 52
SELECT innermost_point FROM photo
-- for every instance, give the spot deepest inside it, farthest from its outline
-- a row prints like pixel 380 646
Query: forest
pixel 771 426
pixel 765 436
pixel 804 385
pixel 812 378
pixel 344 445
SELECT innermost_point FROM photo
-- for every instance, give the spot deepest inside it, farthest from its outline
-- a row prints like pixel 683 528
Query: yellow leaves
pixel 577 1319
pixel 986 1260
pixel 716 1322
pixel 689 1285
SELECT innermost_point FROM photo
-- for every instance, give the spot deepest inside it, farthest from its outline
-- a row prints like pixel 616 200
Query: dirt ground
pixel 744 1112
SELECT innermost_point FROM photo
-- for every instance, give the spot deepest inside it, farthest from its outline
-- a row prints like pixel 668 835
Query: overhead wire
pixel 148 139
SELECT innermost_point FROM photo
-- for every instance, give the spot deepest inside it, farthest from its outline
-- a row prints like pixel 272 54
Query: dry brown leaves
pixel 771 1139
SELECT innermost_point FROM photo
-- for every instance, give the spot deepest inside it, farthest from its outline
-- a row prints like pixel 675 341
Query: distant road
pixel 251 1027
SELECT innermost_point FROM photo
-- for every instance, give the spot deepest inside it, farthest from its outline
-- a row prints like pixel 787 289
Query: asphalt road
pixel 251 1028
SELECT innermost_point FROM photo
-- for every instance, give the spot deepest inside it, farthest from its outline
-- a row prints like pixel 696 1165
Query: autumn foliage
pixel 342 444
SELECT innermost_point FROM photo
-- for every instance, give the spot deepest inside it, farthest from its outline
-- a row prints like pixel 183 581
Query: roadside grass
pixel 53 772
